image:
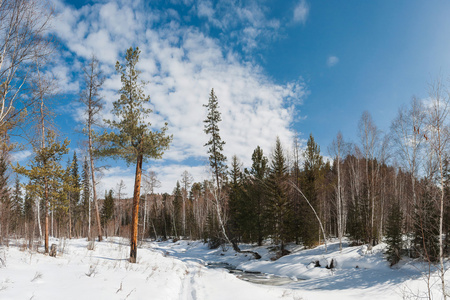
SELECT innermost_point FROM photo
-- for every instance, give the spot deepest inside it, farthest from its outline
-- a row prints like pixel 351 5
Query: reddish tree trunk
pixel 134 220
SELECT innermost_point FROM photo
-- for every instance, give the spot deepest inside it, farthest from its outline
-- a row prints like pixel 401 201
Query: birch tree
pixel 438 136
pixel 90 97
pixel 23 26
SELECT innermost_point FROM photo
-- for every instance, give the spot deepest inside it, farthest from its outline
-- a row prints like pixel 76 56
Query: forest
pixel 391 187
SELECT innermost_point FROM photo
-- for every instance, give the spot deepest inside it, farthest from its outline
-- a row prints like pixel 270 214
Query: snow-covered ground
pixel 180 270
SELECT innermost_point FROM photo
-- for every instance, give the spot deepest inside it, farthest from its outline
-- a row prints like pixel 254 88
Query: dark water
pixel 253 277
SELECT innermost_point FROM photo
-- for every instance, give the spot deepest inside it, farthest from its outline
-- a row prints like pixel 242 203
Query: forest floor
pixel 189 270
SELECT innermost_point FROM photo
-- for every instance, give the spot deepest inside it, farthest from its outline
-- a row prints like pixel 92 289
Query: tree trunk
pixel 135 215
pixel 94 191
pixel 46 214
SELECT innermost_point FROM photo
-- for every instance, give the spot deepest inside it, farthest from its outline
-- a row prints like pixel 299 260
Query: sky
pixel 278 68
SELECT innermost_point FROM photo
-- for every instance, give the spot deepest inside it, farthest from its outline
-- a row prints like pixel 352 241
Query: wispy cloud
pixel 332 61
pixel 20 156
pixel 301 12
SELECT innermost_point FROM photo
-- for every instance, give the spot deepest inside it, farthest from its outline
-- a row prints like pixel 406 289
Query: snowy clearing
pixel 179 270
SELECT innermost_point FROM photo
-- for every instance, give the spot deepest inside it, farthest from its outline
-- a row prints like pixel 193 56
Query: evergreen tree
pixel 16 205
pixel 278 203
pixel 217 160
pixel 86 196
pixel 312 169
pixel 5 195
pixel 28 206
pixel 426 228
pixel 132 137
pixel 177 208
pixel 44 173
pixel 238 208
pixel 107 211
pixel 257 191
pixel 394 232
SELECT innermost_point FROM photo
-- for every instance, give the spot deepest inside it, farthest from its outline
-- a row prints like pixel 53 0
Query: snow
pixel 168 270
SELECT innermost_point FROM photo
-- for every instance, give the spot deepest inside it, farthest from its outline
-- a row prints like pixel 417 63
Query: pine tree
pixel 132 137
pixel 44 173
pixel 394 233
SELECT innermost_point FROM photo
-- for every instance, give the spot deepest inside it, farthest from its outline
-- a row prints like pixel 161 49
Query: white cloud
pixel 301 12
pixel 332 60
pixel 20 156
pixel 181 64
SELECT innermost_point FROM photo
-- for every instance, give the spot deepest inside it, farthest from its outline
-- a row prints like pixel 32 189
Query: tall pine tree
pixel 132 137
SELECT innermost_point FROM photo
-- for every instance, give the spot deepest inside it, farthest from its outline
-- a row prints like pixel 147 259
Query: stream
pixel 253 277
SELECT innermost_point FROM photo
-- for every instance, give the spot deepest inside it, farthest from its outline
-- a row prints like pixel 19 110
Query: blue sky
pixel 278 67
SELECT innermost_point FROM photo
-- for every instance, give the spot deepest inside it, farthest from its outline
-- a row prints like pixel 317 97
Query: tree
pixel 394 234
pixel 72 189
pixel 312 168
pixel 186 180
pixel 369 136
pixel 107 210
pixel 24 24
pixel 86 196
pixel 338 151
pixel 259 174
pixel 407 134
pixel 132 137
pixel 438 137
pixel 151 182
pixel 217 160
pixel 278 204
pixel 43 172
pixel 90 97
pixel 5 196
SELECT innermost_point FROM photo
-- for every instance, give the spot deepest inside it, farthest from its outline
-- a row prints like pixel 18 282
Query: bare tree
pixel 23 25
pixel 93 80
pixel 369 135
pixel 337 150
pixel 120 187
pixel 407 135
pixel 438 136
pixel 151 183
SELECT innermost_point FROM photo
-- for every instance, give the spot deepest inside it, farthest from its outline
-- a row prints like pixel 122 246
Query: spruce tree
pixel 278 202
pixel 107 211
pixel 426 228
pixel 86 196
pixel 177 209
pixel 394 233
pixel 217 159
pixel 16 205
pixel 312 168
pixel 132 137
pixel 5 196
pixel 260 166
